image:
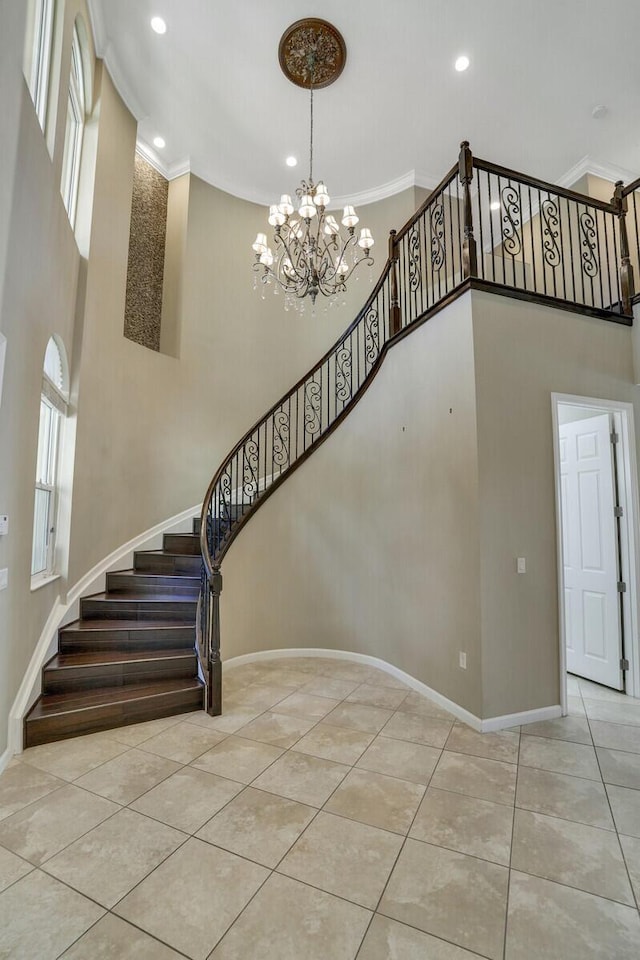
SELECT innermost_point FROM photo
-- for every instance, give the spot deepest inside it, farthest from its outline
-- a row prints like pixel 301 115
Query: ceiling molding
pixel 97 27
pixel 597 168
pixel 116 73
pixel 169 171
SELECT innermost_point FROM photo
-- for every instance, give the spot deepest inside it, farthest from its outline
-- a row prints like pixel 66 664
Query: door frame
pixel 629 534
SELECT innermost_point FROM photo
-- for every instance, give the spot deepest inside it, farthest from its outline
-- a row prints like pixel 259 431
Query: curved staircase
pixel 131 655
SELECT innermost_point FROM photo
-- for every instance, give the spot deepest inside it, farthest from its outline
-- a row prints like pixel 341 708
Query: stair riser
pixel 137 610
pixel 74 679
pixel 107 716
pixel 177 566
pixel 183 543
pixel 151 584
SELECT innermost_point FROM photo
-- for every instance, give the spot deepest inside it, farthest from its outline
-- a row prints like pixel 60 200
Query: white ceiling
pixel 213 88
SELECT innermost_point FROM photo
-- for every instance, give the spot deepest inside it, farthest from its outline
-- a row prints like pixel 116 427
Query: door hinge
pixel 624 664
pixel 617 512
pixel 622 587
pixel 614 437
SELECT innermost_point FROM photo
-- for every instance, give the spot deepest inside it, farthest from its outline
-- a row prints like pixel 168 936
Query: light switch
pixel 4 525
pixel 4 579
pixel 522 565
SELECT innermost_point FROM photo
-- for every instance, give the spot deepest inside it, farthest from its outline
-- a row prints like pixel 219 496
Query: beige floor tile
pixel 69 759
pixel 622 769
pixel 572 853
pixel 40 917
pixel 348 670
pixel 113 939
pixel 230 721
pixel 615 736
pixel 563 728
pixel 476 777
pixel 400 758
pixel 477 827
pixel 573 685
pixel 449 895
pixel 625 805
pixel 21 784
pixel 329 687
pixel 183 742
pixel 631 851
pixel 277 728
pixel 126 777
pixel 187 799
pixel 334 743
pixel 557 795
pixel 492 746
pixel 109 861
pixel 378 800
pixel 548 921
pixel 575 706
pixel 305 705
pixel 358 716
pixel 193 897
pixel 47 826
pixel 595 691
pixel 614 712
pixel 423 707
pixel 288 920
pixel 12 868
pixel 344 857
pixel 238 759
pixel 559 756
pixel 262 696
pixel 257 825
pixel 390 940
pixel 291 677
pixel 385 697
pixel 302 778
pixel 427 730
pixel 137 733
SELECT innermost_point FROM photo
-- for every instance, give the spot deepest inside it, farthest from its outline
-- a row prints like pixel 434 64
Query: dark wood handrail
pixel 631 187
pixel 542 185
pixel 446 180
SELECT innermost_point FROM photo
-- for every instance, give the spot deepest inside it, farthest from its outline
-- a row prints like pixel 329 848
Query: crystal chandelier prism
pixel 311 251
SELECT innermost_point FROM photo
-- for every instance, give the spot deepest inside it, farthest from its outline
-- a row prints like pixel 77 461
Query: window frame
pixel 40 64
pixel 74 132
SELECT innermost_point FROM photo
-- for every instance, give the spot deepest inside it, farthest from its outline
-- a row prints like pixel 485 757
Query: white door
pixel 590 552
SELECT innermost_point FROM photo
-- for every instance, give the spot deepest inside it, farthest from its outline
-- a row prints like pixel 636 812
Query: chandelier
pixel 311 252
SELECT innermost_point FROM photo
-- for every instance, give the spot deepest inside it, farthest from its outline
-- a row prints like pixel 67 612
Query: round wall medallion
pixel 312 53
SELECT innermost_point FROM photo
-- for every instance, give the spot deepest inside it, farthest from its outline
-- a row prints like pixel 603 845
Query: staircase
pixel 131 656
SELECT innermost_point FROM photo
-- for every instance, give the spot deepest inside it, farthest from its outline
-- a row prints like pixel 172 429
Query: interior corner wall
pixel 524 352
pixel 372 545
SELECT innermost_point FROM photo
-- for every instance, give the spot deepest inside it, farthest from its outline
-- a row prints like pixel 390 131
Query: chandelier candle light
pixel 311 253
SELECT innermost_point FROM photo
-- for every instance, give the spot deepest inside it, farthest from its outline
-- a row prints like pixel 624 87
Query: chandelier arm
pixel 292 257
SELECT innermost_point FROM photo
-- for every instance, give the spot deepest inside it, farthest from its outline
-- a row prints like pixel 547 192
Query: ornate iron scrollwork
pixel 281 438
pixel 550 215
pixel 415 266
pixel 511 239
pixel 312 403
pixel 250 469
pixel 588 259
pixel 343 374
pixel 371 335
pixel 436 226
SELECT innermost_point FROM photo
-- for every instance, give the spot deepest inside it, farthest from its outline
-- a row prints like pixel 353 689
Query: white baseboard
pixel 487 725
pixel 61 608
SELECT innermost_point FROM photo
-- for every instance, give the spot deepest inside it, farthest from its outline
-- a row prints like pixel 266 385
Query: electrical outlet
pixel 521 565
pixel 463 660
pixel 4 579
pixel 4 525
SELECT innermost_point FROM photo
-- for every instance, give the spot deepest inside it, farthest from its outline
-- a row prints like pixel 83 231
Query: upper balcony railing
pixel 482 226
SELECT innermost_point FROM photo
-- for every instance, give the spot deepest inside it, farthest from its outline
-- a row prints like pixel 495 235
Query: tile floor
pixel 329 814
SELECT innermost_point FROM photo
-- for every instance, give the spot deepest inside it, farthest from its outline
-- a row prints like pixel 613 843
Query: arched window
pixel 76 114
pixel 38 59
pixel 53 410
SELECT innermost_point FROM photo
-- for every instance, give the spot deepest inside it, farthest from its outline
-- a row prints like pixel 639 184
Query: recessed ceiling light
pixel 461 63
pixel 159 142
pixel 158 24
pixel 291 162
pixel 495 205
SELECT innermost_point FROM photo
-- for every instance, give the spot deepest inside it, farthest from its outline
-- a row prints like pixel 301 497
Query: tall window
pixel 76 112
pixel 40 61
pixel 53 409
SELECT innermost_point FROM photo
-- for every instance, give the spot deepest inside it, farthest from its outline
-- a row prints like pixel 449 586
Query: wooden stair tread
pixel 69 703
pixel 87 626
pixel 142 597
pixel 62 661
pixel 164 576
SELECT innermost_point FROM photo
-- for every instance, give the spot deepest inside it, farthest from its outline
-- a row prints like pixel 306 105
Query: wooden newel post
pixel 395 321
pixel 627 285
pixel 465 172
pixel 214 698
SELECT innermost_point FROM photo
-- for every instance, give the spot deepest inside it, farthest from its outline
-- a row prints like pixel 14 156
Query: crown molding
pixel 597 168
pixel 170 171
pixel 121 84
pixel 97 27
